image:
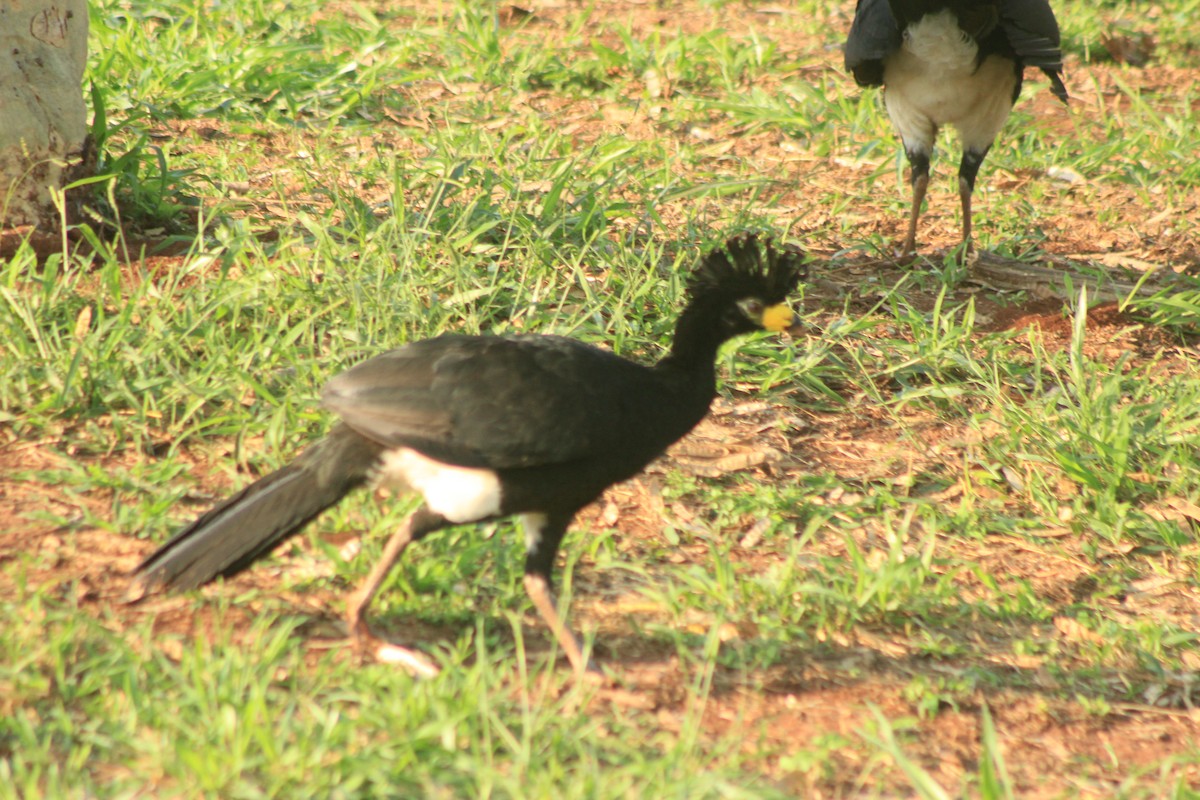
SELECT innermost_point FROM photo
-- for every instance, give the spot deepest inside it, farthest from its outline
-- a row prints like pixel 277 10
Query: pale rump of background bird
pixel 951 62
pixel 484 427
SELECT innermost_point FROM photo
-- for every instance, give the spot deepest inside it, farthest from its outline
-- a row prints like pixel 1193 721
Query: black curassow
pixel 951 62
pixel 484 427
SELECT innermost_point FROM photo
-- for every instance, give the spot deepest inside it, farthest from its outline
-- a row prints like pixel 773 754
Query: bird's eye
pixel 751 307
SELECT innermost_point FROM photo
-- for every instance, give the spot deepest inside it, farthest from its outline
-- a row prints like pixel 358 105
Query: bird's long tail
pixel 245 527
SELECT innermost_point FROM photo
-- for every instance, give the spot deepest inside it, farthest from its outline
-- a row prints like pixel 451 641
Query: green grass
pixel 971 529
pixel 225 721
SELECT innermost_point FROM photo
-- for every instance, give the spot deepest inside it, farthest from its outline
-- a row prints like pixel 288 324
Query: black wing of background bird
pixel 1034 36
pixel 873 35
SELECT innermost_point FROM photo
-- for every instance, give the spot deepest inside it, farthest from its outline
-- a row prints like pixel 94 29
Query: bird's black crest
pixel 745 266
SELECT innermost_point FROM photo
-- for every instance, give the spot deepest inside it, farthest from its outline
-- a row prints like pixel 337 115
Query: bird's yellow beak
pixel 777 318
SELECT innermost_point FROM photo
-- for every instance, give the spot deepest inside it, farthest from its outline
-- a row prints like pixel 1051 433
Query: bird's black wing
pixel 1033 33
pixel 496 402
pixel 874 35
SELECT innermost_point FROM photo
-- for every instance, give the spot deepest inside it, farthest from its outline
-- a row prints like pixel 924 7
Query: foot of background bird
pixel 906 253
pixel 965 254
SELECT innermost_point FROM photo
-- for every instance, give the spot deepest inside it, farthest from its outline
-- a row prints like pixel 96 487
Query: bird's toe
pixel 414 661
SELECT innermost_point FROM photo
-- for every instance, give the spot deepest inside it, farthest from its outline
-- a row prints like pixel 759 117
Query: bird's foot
pixel 414 661
pixel 906 253
pixel 965 254
pixel 368 645
pixel 594 676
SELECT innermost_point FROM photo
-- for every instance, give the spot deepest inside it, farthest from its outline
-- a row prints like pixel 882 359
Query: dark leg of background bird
pixel 542 537
pixel 416 526
pixel 968 169
pixel 920 183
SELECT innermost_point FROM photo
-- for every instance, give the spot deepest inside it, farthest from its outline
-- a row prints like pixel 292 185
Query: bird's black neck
pixel 699 333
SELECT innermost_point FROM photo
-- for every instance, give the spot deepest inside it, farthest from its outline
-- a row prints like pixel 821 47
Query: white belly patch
pixel 932 80
pixel 460 494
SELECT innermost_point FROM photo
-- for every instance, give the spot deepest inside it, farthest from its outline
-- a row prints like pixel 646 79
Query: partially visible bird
pixel 483 427
pixel 951 62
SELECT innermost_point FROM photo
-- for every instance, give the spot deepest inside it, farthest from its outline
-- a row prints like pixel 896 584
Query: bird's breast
pixel 937 43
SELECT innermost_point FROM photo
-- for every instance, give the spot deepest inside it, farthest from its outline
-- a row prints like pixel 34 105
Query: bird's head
pixel 746 283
